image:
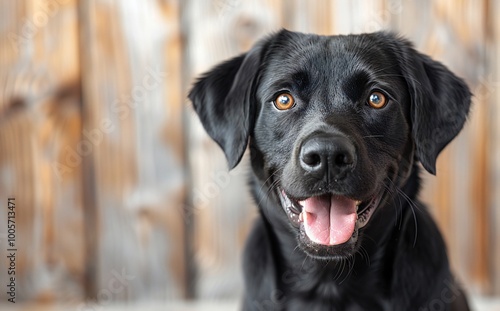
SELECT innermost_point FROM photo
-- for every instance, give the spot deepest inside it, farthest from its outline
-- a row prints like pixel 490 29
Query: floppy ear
pixel 440 104
pixel 223 100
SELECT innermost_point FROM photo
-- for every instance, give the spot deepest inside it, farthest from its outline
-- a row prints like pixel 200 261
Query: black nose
pixel 330 157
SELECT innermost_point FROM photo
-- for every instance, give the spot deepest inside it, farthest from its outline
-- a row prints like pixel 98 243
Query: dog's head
pixel 334 124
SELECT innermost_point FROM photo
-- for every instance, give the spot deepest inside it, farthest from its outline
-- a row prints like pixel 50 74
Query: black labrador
pixel 337 127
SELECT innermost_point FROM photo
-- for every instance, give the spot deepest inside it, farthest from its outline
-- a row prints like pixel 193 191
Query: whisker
pixel 387 138
pixel 402 76
pixel 350 265
pixel 413 206
pixel 294 249
pixel 270 188
pixel 364 254
pixel 340 271
pixel 392 192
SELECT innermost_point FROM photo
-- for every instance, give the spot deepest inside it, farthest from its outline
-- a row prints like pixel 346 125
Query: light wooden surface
pixel 135 183
pixel 477 304
pixel 115 178
pixel 40 120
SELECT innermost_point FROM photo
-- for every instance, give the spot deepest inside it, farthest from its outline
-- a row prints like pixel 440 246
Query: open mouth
pixel 329 219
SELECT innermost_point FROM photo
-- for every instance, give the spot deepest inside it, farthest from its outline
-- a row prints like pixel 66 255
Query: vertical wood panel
pixel 132 96
pixel 360 16
pixel 39 120
pixel 315 16
pixel 492 92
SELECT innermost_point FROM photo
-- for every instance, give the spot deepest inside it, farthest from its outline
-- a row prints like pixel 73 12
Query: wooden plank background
pixel 120 194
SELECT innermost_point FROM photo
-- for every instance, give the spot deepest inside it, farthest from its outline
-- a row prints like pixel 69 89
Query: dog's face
pixel 334 125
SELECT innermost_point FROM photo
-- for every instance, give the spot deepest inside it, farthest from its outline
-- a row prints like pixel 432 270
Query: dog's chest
pixel 339 304
pixel 337 295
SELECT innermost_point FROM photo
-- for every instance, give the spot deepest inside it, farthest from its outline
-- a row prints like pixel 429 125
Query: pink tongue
pixel 329 220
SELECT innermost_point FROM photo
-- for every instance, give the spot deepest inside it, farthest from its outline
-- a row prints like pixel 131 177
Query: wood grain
pixel 40 120
pixel 131 81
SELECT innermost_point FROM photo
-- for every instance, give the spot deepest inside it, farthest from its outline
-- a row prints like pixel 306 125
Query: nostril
pixel 311 159
pixel 340 160
pixel 312 156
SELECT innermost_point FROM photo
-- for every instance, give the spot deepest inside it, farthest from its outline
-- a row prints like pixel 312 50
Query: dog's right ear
pixel 440 101
pixel 223 98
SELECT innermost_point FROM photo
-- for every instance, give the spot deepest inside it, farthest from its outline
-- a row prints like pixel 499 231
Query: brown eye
pixel 377 100
pixel 284 101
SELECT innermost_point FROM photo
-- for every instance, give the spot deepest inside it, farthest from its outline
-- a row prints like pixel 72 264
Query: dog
pixel 338 128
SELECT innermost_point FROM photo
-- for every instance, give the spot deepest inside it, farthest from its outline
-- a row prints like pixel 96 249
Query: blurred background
pixel 121 198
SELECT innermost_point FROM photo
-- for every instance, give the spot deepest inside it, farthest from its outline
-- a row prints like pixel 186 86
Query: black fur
pixel 398 260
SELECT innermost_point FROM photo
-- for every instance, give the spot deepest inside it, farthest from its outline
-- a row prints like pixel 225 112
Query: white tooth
pixel 357 205
pixel 301 216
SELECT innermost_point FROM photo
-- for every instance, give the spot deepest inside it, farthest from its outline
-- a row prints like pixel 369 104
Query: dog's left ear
pixel 440 103
pixel 223 100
